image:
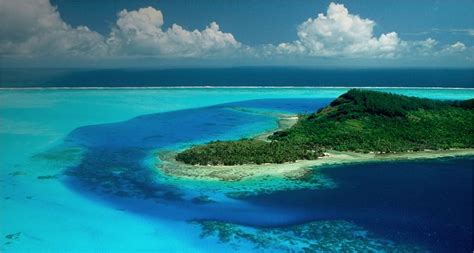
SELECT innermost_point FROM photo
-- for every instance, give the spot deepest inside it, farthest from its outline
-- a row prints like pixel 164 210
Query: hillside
pixel 360 121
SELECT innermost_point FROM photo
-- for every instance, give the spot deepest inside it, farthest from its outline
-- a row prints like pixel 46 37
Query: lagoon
pixel 78 174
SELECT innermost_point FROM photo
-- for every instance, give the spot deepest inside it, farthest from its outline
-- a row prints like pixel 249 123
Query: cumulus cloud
pixel 34 27
pixel 339 33
pixel 140 33
pixel 456 47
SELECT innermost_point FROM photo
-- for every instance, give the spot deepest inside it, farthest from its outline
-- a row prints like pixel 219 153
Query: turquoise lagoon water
pixel 78 174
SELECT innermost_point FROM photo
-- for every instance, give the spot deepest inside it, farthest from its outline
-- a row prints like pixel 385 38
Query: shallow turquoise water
pixel 50 215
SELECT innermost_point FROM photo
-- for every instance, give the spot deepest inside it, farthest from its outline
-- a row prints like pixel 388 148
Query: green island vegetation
pixel 358 121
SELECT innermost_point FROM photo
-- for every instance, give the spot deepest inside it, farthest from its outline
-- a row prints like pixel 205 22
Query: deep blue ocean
pixel 427 203
pixel 244 76
pixel 81 170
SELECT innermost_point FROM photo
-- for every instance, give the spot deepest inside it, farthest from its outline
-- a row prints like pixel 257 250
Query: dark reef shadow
pixel 113 171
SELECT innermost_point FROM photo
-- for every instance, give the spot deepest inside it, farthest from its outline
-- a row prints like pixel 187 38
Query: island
pixel 360 120
pixel 359 126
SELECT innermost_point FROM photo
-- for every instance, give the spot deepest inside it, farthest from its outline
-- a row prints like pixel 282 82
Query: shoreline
pixel 294 170
pixel 284 122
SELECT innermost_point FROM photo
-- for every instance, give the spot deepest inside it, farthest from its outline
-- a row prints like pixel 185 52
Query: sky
pixel 310 33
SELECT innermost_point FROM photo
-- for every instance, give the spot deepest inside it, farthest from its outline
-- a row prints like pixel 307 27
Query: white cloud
pixel 339 33
pixel 456 47
pixel 140 33
pixel 468 31
pixel 426 47
pixel 34 27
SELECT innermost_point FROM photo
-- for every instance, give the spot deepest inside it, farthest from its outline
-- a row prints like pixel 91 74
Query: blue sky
pixel 258 22
pixel 233 33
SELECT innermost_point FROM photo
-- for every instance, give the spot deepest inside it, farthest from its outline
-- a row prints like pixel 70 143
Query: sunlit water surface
pixel 78 173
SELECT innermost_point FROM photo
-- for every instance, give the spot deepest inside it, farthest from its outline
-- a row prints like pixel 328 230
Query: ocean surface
pixel 243 76
pixel 79 172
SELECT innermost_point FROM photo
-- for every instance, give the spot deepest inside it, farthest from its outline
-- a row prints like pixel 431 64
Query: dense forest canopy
pixel 359 121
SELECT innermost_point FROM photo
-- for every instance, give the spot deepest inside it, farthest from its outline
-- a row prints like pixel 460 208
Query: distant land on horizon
pixel 238 76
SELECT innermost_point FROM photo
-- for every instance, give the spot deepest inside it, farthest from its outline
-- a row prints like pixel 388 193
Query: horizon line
pixel 233 87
